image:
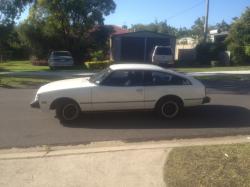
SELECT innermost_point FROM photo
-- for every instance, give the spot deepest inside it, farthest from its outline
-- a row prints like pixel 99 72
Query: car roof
pixel 135 66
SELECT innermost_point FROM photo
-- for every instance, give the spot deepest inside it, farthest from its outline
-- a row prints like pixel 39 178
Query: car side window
pixel 155 78
pixel 176 80
pixel 124 78
pixel 135 78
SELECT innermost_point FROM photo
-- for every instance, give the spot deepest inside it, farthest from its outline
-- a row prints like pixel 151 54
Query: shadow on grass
pixel 17 82
pixel 77 67
pixel 3 70
pixel 207 116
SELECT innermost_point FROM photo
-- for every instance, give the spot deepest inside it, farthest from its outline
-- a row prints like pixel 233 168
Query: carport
pixel 138 46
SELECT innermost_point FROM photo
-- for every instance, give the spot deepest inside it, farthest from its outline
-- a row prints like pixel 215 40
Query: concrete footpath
pixel 111 164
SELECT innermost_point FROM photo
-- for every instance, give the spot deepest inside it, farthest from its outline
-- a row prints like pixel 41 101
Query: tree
pixel 223 26
pixel 198 28
pixel 11 9
pixel 239 38
pixel 159 27
pixel 10 44
pixel 64 25
pixel 183 32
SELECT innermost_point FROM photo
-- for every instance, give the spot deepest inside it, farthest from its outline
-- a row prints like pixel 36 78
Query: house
pixel 185 49
pixel 216 36
pixel 138 46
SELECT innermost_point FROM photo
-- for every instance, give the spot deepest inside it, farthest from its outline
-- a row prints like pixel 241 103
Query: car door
pixel 159 84
pixel 121 90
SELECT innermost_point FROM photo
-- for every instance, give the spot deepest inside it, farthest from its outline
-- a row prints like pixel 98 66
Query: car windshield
pixel 98 77
pixel 163 51
pixel 61 53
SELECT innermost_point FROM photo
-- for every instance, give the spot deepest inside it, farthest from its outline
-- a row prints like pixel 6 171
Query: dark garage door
pixel 132 49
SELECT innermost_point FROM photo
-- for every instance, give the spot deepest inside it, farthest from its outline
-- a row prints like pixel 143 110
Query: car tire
pixel 67 111
pixel 169 108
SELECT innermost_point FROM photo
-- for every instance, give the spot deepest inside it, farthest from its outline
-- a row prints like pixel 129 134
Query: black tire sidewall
pixel 60 108
pixel 160 105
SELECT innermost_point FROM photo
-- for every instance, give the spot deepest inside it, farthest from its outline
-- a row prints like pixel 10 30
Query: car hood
pixel 65 85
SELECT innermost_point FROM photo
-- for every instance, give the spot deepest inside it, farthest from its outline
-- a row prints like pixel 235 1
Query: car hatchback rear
pixel 60 59
pixel 163 56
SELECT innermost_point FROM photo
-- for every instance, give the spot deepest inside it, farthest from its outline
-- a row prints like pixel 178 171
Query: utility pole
pixel 206 21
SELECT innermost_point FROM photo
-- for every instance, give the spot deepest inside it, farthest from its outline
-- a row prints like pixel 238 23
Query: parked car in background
pixel 122 87
pixel 162 56
pixel 60 59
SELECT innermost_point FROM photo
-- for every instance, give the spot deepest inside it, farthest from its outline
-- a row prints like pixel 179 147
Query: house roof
pixel 225 33
pixel 118 30
pixel 144 34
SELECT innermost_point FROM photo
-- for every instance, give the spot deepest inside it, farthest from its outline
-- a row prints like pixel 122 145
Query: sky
pixel 177 13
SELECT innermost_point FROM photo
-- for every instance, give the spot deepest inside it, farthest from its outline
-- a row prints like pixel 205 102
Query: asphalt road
pixel 21 126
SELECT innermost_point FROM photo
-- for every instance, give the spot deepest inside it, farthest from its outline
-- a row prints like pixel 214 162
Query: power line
pixel 186 10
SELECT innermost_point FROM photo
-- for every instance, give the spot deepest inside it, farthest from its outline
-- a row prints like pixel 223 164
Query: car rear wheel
pixel 67 111
pixel 169 108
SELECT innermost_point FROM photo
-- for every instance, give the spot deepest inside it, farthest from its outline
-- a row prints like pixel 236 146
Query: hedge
pixel 98 64
pixel 39 62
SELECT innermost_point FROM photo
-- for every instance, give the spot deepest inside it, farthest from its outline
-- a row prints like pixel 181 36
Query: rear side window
pixel 61 53
pixel 124 78
pixel 155 78
pixel 163 51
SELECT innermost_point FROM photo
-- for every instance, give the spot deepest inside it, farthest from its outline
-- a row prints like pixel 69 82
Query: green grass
pixel 223 165
pixel 19 66
pixel 230 68
pixel 22 66
pixel 22 82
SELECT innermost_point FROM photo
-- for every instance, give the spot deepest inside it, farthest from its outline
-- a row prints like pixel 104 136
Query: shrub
pixel 38 62
pixel 98 64
pixel 207 52
pixel 97 55
pixel 238 39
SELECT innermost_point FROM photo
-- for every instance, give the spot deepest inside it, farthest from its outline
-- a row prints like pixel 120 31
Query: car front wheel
pixel 169 108
pixel 67 111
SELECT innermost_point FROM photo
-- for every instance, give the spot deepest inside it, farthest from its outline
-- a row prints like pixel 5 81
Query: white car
pixel 163 56
pixel 60 59
pixel 122 87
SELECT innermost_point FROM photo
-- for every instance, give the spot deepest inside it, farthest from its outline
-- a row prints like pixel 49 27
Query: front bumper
pixel 35 104
pixel 206 100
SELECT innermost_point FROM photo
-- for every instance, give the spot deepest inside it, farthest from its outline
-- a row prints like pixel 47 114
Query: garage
pixel 138 46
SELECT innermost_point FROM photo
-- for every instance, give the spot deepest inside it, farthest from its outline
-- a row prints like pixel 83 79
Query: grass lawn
pixel 21 66
pixel 17 66
pixel 223 165
pixel 22 82
pixel 206 69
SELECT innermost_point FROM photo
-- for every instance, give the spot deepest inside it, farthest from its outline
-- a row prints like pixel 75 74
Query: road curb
pixel 102 147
